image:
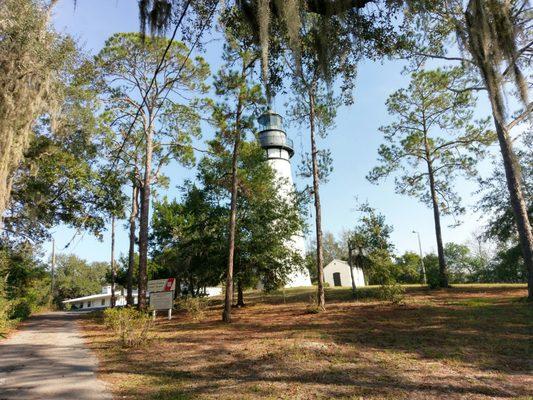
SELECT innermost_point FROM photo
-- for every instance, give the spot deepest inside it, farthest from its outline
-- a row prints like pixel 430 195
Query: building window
pixel 103 302
pixel 337 279
pixel 88 304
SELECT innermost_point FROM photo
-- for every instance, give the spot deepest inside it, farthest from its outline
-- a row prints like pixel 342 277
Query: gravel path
pixel 48 360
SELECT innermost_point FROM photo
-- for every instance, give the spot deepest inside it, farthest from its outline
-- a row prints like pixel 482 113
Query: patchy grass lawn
pixel 468 342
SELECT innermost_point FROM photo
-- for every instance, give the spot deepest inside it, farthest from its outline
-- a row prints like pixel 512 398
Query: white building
pixel 279 150
pixel 337 273
pixel 100 300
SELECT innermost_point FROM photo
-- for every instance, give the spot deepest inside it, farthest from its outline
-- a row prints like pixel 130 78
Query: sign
pixel 161 300
pixel 162 285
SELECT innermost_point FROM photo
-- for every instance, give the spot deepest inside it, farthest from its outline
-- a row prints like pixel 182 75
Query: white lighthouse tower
pixel 279 150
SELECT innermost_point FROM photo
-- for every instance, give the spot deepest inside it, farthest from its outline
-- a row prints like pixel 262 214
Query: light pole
pixel 53 267
pixel 424 279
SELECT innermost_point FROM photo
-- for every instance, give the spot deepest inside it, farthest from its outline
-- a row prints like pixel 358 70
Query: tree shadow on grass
pixel 258 354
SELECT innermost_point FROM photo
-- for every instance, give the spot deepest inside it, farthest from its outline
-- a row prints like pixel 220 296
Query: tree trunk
pixel 494 83
pixel 131 251
pixel 321 299
pixel 240 294
pixel 443 270
pixel 350 263
pixel 516 194
pixel 144 220
pixel 226 314
pixel 113 269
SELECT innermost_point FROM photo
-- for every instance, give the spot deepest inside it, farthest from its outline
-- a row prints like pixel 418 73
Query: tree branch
pixel 521 117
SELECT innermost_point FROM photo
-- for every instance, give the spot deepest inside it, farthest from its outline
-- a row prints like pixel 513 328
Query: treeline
pixel 474 262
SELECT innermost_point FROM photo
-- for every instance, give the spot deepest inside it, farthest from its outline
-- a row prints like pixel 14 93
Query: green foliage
pixel 332 249
pixel 407 268
pixel 382 270
pixel 195 307
pixel 76 277
pixel 124 69
pixel 34 60
pixel 189 240
pixel 132 327
pixel 431 262
pixel 267 217
pixel 495 204
pixel 433 135
pixel 20 309
pixel 392 292
pixel 371 245
pixel 55 180
pixel 59 184
pixel 24 284
pixel 5 322
pixel 506 266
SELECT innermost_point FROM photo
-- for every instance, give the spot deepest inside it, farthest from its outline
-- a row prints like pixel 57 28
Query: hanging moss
pixel 31 57
pixel 490 35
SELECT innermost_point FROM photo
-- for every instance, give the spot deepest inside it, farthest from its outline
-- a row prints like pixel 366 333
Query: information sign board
pixel 161 300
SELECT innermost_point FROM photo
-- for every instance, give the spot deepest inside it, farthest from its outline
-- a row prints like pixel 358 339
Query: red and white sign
pixel 162 285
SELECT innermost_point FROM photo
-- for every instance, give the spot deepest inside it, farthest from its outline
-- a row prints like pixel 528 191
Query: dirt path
pixel 48 360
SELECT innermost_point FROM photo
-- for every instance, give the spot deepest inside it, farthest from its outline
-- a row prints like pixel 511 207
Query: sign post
pixel 161 295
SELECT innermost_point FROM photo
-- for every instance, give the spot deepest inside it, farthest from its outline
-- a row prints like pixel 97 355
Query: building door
pixel 337 279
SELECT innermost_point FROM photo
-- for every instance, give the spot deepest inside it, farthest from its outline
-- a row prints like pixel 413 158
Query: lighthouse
pixel 279 151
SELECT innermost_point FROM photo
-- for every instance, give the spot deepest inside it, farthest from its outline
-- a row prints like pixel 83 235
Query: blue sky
pixel 353 144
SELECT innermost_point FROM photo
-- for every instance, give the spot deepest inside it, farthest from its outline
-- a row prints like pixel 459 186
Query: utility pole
pixel 113 270
pixel 53 267
pixel 424 278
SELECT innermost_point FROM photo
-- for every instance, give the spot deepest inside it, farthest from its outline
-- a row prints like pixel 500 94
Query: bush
pixel 5 323
pixel 312 305
pixel 392 292
pixel 133 327
pixel 195 307
pixel 20 309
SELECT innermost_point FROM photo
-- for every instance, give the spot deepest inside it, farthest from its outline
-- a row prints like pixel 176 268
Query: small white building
pixel 337 273
pixel 100 300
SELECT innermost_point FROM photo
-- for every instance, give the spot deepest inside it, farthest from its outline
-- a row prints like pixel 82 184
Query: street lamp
pixel 424 279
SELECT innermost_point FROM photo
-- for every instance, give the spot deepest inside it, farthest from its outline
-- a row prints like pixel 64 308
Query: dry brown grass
pixel 470 342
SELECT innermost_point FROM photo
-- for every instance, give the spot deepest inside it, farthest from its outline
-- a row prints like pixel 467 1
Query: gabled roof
pixel 337 261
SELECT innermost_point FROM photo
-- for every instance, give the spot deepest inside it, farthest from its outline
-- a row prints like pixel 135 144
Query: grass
pixel 471 341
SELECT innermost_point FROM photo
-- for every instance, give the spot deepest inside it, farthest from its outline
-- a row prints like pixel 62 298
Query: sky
pixel 353 143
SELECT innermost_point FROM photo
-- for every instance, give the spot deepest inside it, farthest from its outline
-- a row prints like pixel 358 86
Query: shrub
pixel 312 305
pixel 133 327
pixel 195 307
pixel 5 323
pixel 20 309
pixel 392 292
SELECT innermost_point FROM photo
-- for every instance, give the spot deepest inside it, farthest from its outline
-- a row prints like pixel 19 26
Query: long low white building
pixel 100 300
pixel 337 273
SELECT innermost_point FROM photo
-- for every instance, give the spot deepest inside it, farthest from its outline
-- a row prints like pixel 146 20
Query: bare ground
pixel 47 359
pixel 469 342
